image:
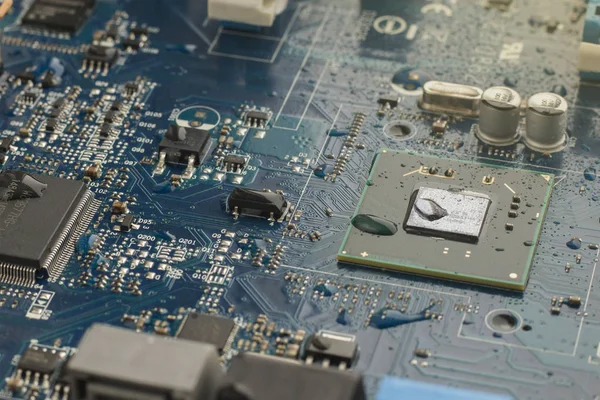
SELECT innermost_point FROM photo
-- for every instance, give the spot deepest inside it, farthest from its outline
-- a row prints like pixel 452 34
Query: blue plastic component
pixel 397 389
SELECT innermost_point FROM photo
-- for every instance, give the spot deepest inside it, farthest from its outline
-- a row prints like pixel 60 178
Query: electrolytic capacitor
pixel 499 115
pixel 546 123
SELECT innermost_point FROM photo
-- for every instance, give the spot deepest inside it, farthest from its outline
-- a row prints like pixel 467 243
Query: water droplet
pixel 574 243
pixel 323 170
pixel 559 89
pixel 528 243
pixel 510 82
pixel 549 71
pixel 325 289
pixel 342 317
pixel 430 210
pixel 164 187
pixel 409 79
pixel 590 174
pixel 374 225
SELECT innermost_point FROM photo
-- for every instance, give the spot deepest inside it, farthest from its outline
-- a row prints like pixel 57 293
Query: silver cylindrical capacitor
pixel 546 123
pixel 499 116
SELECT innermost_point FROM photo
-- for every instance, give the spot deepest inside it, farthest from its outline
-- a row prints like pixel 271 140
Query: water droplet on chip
pixel 590 174
pixel 374 225
pixel 430 210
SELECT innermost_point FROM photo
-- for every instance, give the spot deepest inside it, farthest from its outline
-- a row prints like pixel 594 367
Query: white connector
pixel 589 57
pixel 251 12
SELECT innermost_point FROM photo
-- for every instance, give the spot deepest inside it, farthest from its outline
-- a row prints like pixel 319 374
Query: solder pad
pixel 498 251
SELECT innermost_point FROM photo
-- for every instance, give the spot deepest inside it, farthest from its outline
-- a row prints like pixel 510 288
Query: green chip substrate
pixel 449 219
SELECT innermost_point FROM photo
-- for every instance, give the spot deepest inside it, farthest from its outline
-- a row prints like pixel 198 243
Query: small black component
pixel 234 162
pixel 259 377
pixel 105 130
pixel 257 203
pixel 133 44
pixel 256 118
pixel 132 88
pixel 29 97
pixel 127 223
pixel 51 124
pixel 59 103
pixel 139 30
pixel 112 31
pixel 49 80
pixel 338 349
pixel 27 76
pixel 55 113
pixel 58 15
pixel 40 360
pixel 113 117
pixel 47 214
pixel 390 100
pixel 192 143
pixel 101 55
pixel 116 105
pixel 5 144
pixel 207 328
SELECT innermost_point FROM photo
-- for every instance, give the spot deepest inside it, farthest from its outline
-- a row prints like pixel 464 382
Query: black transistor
pixel 131 88
pixel 117 105
pixel 257 119
pixel 51 124
pixel 27 76
pixel 127 223
pixel 180 145
pixel 139 30
pixel 390 100
pixel 234 162
pixel 133 44
pixel 331 348
pixel 105 130
pixel 5 144
pixel 101 55
pixel 113 117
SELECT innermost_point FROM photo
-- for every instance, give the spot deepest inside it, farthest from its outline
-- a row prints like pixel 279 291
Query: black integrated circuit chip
pixel 448 218
pixel 40 360
pixel 207 328
pixel 58 15
pixel 101 55
pixel 39 217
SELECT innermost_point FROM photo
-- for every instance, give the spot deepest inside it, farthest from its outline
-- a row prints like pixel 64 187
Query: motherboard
pixel 266 200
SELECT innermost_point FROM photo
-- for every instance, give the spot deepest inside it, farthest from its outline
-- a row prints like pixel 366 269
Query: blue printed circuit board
pixel 164 127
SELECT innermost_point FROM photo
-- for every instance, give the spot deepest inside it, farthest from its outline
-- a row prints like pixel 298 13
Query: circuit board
pixel 162 171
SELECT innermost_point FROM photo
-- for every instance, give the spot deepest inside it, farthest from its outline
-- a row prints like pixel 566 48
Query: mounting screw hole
pixel 503 321
pixel 400 130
